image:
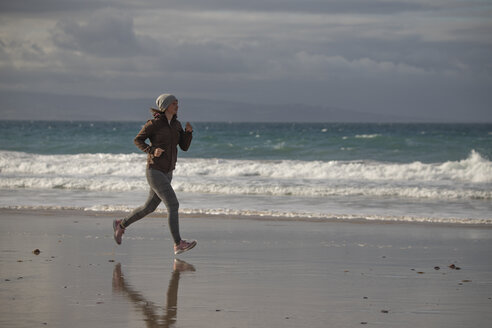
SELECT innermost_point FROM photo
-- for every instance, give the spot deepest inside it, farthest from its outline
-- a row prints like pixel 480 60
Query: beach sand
pixel 243 273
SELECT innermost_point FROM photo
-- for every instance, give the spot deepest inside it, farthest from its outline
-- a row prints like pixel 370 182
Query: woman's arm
pixel 143 135
pixel 185 136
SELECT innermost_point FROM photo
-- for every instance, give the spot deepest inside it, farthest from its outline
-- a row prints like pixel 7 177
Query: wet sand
pixel 243 273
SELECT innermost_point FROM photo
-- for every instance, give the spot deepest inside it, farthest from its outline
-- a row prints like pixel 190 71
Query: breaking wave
pixel 470 178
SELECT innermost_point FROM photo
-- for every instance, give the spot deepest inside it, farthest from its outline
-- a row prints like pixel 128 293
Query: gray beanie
pixel 164 100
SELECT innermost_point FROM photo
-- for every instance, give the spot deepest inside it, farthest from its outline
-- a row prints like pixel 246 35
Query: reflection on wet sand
pixel 149 309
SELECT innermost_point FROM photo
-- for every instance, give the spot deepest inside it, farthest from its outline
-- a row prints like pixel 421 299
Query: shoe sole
pixel 193 244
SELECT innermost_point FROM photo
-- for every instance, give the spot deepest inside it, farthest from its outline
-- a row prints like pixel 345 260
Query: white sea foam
pixel 474 169
pixel 367 136
pixel 470 178
pixel 272 214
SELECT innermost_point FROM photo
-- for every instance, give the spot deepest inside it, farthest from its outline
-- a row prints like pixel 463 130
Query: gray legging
pixel 160 190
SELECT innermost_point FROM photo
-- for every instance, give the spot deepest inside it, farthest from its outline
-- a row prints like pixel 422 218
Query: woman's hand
pixel 188 127
pixel 158 152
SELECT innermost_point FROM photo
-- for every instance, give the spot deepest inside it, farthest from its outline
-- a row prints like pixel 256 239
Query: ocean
pixel 438 173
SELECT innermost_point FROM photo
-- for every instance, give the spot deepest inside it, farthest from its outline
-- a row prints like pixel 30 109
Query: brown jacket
pixel 166 136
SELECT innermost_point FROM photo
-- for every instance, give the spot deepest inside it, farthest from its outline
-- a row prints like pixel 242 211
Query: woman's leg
pixel 150 205
pixel 160 183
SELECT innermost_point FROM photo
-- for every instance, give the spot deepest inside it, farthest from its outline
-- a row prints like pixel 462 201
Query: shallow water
pixel 407 172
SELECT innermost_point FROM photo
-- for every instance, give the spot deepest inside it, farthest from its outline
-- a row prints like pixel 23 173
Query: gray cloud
pixel 307 6
pixel 51 6
pixel 366 55
pixel 105 33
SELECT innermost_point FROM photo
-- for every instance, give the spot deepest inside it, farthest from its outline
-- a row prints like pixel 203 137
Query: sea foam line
pixel 235 213
pixel 474 169
pixel 229 186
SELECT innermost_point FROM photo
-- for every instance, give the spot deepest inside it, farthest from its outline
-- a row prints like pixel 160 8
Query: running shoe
pixel 184 246
pixel 118 231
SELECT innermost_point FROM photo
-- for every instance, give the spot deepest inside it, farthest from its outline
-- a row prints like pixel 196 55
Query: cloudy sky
pixel 422 58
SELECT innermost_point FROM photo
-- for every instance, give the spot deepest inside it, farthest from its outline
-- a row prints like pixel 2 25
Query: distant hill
pixel 37 106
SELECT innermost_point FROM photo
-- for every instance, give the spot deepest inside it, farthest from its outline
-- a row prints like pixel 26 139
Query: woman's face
pixel 173 108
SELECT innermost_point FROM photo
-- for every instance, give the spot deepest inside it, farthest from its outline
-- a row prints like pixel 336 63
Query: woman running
pixel 165 134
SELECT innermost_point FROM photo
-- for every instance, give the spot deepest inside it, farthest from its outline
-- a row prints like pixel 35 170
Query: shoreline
pixel 163 214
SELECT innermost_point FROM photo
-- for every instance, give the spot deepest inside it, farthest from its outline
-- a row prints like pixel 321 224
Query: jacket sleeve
pixel 143 135
pixel 184 138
